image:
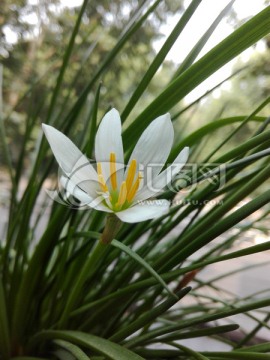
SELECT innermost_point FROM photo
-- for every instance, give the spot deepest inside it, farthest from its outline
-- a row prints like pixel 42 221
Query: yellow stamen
pixel 131 173
pixel 101 180
pixel 99 169
pixel 102 183
pixel 122 194
pixel 113 170
pixel 132 192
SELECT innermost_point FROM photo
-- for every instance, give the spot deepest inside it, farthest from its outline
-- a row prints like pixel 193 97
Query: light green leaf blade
pixel 237 355
pixel 203 227
pixel 73 349
pixel 148 317
pixel 199 333
pixel 230 47
pixel 208 129
pixel 159 58
pixel 190 352
pixel 65 61
pixel 3 137
pixel 202 41
pixel 219 314
pixel 265 347
pixel 108 348
pixel 142 262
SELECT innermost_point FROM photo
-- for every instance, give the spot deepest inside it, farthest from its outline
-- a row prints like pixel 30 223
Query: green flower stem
pixel 111 228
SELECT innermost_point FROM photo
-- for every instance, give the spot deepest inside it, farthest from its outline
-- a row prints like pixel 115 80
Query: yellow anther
pixel 131 173
pixel 99 168
pixel 101 180
pixel 122 194
pixel 102 183
pixel 132 192
pixel 113 170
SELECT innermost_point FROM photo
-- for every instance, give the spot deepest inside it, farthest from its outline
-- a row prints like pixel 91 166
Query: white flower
pixel 112 187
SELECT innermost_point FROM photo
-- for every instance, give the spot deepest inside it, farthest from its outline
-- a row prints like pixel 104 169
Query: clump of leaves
pixel 62 296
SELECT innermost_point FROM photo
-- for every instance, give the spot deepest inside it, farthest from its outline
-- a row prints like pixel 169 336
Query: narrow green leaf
pixel 237 355
pixel 207 92
pixel 207 129
pixel 159 354
pixel 102 346
pixel 202 41
pixel 190 352
pixel 3 137
pixel 242 38
pixel 62 354
pixel 143 284
pixel 229 273
pixel 159 58
pixel 34 271
pixel 252 334
pixel 142 262
pixel 148 317
pixel 124 37
pixel 233 255
pixel 235 164
pixel 86 272
pixel 219 314
pixel 198 333
pixel 265 347
pixel 180 251
pixel 4 330
pixel 65 61
pixel 225 141
pixel 93 125
pixel 246 146
pixel 73 349
pixel 229 221
pixel 248 159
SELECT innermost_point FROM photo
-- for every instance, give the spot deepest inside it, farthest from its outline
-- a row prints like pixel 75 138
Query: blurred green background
pixel 35 34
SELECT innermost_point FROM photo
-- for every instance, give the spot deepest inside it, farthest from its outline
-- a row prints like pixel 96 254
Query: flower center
pixel 120 197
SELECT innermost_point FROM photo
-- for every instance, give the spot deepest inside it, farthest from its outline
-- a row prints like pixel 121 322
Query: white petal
pixel 144 211
pixel 155 185
pixel 70 159
pixel 98 205
pixel 109 139
pixel 74 190
pixel 154 145
pixel 85 199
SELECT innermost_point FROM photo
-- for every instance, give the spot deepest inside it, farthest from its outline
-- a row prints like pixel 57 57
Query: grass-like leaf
pixel 72 349
pixel 142 262
pixel 237 355
pixel 55 274
pixel 202 41
pixel 234 44
pixel 159 58
pixel 102 346
pixel 148 317
pixel 198 333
